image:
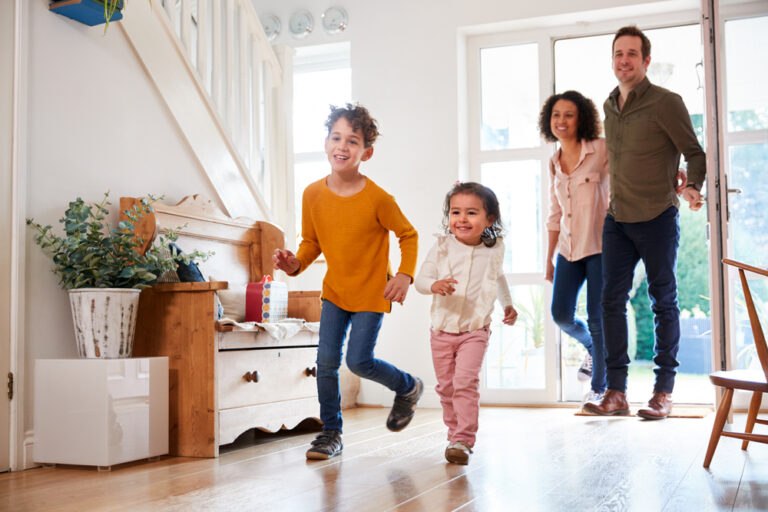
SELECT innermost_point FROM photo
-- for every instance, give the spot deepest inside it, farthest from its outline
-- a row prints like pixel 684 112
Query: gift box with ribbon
pixel 266 301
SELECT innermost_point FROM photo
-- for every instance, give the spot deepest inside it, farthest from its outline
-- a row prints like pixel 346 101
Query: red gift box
pixel 267 301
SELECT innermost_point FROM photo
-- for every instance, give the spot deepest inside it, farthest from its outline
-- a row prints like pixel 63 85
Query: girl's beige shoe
pixel 458 453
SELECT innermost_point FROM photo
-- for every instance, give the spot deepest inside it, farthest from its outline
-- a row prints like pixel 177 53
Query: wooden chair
pixel 748 380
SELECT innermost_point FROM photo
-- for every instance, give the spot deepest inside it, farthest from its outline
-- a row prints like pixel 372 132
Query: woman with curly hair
pixel 578 201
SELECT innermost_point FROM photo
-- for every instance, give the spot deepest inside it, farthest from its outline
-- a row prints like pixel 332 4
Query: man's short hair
pixel 632 30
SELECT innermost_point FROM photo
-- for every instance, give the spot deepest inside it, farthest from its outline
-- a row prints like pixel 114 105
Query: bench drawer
pixel 280 374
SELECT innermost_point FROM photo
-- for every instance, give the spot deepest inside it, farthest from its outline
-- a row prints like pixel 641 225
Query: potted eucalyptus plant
pixel 104 269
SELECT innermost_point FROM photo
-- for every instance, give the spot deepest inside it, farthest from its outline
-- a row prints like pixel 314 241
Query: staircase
pixel 222 81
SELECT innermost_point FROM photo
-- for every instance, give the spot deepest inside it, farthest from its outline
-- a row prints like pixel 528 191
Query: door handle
pixel 734 191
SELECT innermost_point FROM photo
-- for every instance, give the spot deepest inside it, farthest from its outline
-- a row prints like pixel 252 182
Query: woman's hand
pixel 510 315
pixel 550 275
pixel 397 288
pixel 285 260
pixel 443 287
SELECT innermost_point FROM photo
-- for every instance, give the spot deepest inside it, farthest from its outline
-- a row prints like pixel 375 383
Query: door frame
pixel 711 22
pixel 12 236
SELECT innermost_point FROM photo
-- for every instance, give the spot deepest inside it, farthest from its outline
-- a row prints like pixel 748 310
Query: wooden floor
pixel 525 459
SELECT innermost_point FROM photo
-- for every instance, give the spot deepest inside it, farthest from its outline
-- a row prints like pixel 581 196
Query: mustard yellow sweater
pixel 353 234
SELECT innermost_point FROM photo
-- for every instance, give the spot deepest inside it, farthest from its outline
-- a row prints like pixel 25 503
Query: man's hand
pixel 681 181
pixel 510 315
pixel 443 287
pixel 397 288
pixel 693 197
pixel 285 260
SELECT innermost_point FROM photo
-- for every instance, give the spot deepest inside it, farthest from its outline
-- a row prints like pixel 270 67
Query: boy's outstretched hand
pixel 443 287
pixel 510 315
pixel 397 288
pixel 285 260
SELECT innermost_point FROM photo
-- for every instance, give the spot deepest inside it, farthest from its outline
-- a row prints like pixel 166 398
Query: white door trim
pixel 18 236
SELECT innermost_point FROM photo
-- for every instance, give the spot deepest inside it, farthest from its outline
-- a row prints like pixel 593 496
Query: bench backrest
pixel 243 247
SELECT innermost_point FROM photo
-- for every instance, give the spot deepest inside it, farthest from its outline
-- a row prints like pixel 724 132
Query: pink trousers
pixel 458 359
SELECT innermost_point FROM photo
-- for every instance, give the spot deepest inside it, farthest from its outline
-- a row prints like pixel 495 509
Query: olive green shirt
pixel 645 140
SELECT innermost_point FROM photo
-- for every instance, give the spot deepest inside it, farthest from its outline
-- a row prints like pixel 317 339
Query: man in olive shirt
pixel 646 128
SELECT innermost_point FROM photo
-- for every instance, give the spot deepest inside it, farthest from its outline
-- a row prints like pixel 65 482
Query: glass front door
pixel 745 171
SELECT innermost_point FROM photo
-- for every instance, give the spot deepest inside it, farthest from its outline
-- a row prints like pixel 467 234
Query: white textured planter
pixel 105 321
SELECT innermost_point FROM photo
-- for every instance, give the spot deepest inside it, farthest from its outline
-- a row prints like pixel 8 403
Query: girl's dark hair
pixel 490 204
pixel 358 118
pixel 589 120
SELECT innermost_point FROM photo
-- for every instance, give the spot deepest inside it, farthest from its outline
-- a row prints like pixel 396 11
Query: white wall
pixel 94 122
pixel 407 59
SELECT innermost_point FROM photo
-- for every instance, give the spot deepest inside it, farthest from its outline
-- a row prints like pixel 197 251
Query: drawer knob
pixel 252 376
pixel 311 372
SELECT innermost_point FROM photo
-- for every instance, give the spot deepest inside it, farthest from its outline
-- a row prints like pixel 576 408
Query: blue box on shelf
pixel 88 12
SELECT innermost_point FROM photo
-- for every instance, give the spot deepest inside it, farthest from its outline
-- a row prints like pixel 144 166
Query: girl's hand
pixel 285 260
pixel 550 276
pixel 443 287
pixel 397 288
pixel 510 315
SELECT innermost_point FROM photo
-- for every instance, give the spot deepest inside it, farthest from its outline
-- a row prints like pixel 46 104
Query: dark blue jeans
pixel 569 278
pixel 624 244
pixel 363 330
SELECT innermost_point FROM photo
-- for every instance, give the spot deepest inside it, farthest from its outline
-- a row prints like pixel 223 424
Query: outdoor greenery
pixel 93 255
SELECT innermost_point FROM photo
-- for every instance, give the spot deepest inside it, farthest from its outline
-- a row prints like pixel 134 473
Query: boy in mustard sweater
pixel 347 217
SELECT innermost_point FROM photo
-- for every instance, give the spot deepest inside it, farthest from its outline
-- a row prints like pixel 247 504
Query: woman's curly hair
pixel 490 204
pixel 589 121
pixel 358 117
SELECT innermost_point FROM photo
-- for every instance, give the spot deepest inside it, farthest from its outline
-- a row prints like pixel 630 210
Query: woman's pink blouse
pixel 578 201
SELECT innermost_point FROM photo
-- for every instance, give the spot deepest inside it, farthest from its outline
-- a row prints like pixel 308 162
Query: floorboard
pixel 525 459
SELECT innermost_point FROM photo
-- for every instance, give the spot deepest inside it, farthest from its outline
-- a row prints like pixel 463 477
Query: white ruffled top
pixel 478 270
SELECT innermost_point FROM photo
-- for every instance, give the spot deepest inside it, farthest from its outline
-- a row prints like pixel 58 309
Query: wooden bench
pixel 223 381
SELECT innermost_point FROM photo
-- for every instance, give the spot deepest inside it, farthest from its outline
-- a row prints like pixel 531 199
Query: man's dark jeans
pixel 624 244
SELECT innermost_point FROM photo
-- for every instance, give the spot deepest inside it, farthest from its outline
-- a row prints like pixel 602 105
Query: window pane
pixel 510 96
pixel 748 221
pixel 593 77
pixel 517 185
pixel 745 353
pixel 313 92
pixel 516 355
pixel 747 66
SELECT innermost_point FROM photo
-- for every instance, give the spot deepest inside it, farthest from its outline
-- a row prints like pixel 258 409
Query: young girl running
pixel 463 272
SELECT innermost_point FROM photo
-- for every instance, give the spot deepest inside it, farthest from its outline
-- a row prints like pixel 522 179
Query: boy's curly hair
pixel 358 117
pixel 490 204
pixel 589 121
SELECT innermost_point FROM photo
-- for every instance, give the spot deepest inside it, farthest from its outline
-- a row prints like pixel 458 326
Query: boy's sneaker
pixel 592 396
pixel 458 453
pixel 326 445
pixel 403 409
pixel 585 370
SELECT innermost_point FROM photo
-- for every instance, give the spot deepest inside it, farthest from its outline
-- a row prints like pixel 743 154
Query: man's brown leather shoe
pixel 658 408
pixel 613 403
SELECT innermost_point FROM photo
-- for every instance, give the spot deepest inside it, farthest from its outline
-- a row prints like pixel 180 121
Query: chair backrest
pixel 754 320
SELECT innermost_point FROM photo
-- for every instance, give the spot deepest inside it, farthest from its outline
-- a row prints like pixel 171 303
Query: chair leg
pixel 717 428
pixel 754 407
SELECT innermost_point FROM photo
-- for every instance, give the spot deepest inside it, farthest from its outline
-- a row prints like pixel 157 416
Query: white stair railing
pixel 219 89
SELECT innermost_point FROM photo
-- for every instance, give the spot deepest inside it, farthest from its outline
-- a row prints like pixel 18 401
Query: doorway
pixel 676 64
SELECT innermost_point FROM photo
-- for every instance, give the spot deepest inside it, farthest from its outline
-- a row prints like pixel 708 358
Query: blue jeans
pixel 624 244
pixel 365 326
pixel 569 277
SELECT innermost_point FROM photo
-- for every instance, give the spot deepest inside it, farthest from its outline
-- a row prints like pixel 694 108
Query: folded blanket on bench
pixel 279 330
